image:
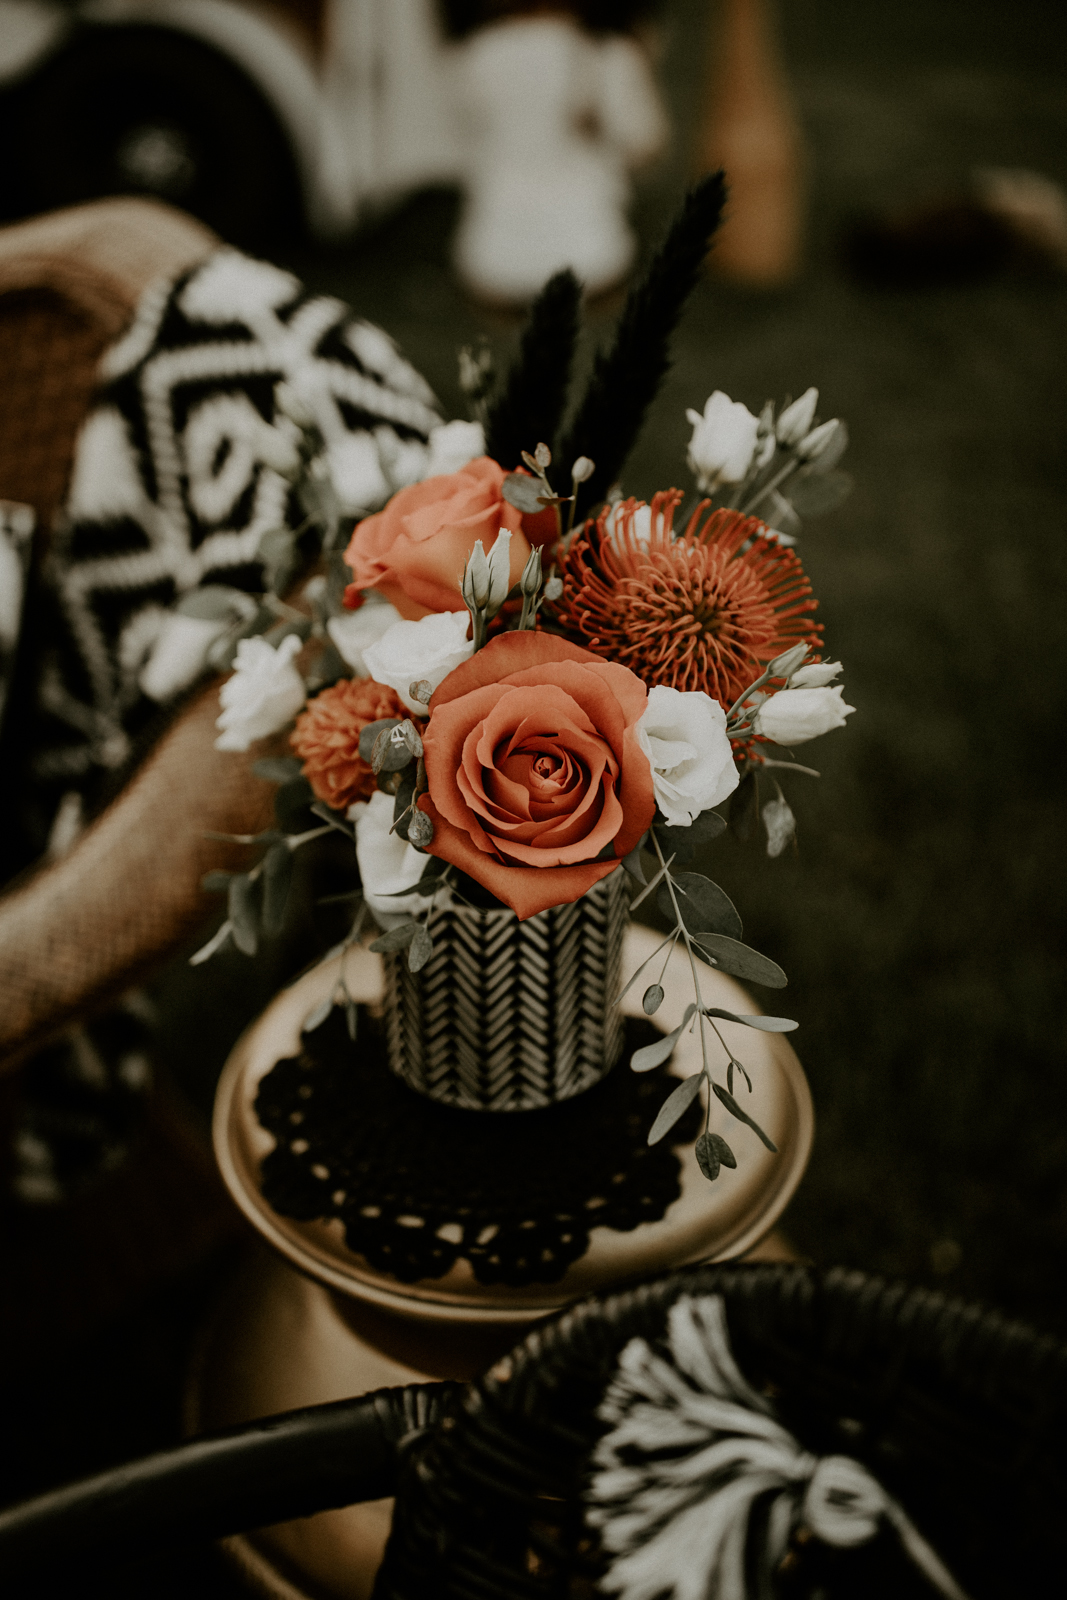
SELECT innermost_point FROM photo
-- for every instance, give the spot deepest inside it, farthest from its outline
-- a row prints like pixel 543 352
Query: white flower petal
pixel 412 651
pixel 793 716
pixel 263 694
pixel 353 631
pixel 683 734
pixel 388 865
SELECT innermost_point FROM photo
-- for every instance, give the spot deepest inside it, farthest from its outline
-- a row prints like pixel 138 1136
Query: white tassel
pixel 693 1446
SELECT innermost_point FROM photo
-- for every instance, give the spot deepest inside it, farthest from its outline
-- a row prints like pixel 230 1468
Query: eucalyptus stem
pixel 681 928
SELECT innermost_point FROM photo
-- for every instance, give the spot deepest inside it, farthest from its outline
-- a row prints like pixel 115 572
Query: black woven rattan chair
pixel 950 1413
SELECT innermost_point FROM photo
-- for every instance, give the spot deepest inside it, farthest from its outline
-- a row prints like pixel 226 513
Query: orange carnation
pixel 326 738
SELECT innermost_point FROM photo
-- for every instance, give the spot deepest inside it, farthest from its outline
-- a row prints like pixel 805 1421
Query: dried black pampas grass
pixel 626 378
pixel 529 410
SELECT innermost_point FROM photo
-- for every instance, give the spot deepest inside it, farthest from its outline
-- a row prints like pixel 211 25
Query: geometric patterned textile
pixel 509 1015
pixel 173 487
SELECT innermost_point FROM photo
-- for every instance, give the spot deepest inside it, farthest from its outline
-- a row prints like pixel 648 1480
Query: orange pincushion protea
pixel 326 738
pixel 706 610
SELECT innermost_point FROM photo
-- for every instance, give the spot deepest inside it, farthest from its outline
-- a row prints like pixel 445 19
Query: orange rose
pixel 414 550
pixel 326 738
pixel 534 769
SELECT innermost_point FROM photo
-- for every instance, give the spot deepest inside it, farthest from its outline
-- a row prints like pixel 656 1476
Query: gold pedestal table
pixel 307 1321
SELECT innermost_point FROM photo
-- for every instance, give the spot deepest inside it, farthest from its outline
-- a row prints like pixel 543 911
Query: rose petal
pixel 527 890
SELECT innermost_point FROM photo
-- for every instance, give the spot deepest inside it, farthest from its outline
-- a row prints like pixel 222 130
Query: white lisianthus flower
pixel 388 865
pixel 793 716
pixel 796 420
pixel 816 675
pixel 354 631
pixel 723 442
pixel 683 734
pixel 429 649
pixel 264 692
pixel 453 445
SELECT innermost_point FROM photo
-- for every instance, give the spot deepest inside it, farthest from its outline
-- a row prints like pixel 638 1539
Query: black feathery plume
pixel 529 409
pixel 626 378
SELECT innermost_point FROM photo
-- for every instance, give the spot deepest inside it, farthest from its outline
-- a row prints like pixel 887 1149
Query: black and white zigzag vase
pixel 509 1015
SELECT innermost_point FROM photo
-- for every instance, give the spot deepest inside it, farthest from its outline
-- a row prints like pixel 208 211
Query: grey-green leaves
pixel 738 960
pixel 712 1152
pixel 742 1116
pixel 675 1106
pixel 703 906
pixel 655 1054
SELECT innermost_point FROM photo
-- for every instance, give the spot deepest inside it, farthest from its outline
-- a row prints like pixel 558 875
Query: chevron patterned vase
pixel 509 1015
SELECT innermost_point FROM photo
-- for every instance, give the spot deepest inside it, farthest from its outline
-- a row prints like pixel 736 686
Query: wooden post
pixel 750 128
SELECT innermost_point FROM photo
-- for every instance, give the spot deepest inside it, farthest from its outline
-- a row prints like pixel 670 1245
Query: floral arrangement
pixel 515 694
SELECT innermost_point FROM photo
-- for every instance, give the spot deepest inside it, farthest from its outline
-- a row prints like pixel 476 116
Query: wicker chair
pixel 952 1412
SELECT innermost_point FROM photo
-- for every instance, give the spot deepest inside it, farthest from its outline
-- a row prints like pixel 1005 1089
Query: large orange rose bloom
pixel 326 738
pixel 534 769
pixel 414 551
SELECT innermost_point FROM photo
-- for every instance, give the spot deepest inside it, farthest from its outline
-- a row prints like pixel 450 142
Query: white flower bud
pixel 582 469
pixel 553 588
pixel 789 660
pixel 796 420
pixel 530 582
pixel 819 440
pixel 793 716
pixel 499 566
pixel 723 442
pixel 816 676
pixel 475 584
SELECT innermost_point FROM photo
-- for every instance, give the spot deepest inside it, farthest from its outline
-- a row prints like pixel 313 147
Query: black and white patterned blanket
pixel 172 485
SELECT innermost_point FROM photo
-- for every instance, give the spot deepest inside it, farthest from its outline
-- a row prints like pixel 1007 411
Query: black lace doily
pixel 419 1185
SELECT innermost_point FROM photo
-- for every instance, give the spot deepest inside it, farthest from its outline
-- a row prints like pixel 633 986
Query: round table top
pixel 708 1222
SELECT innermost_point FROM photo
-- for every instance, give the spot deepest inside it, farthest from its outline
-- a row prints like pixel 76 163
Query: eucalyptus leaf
pixel 244 909
pixel 369 736
pixel 742 1116
pixel 392 752
pixel 739 960
pixel 704 907
pixel 675 1106
pixel 684 843
pixel 652 999
pixel 215 882
pixel 277 876
pixel 781 825
pixel 522 492
pixel 420 950
pixel 712 1152
pixel 317 1017
pixel 655 1054
pixel 397 938
pixel 431 872
pixel 420 830
pixel 707 1157
pixel 764 1024
pixel 277 769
